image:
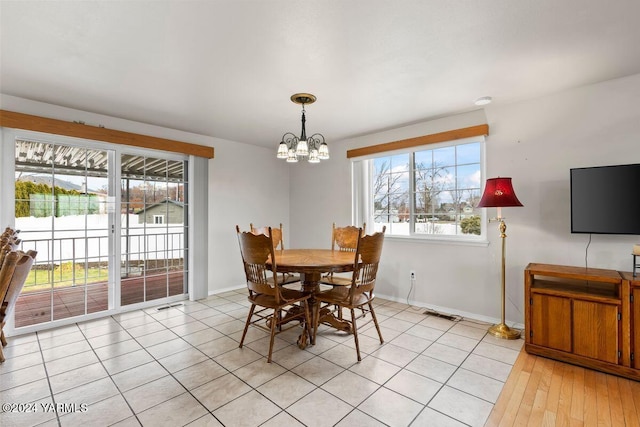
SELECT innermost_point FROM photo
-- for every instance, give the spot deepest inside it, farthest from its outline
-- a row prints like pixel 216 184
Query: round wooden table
pixel 311 264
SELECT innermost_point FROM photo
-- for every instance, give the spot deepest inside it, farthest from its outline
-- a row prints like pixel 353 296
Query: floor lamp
pixel 498 193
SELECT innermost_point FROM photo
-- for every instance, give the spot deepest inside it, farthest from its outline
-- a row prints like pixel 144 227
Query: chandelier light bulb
pixel 323 151
pixel 313 156
pixel 303 149
pixel 291 157
pixel 283 151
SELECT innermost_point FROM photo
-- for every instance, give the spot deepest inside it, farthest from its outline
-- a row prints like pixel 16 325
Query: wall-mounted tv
pixel 606 199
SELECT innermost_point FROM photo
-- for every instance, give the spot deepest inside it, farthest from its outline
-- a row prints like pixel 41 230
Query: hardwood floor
pixel 544 392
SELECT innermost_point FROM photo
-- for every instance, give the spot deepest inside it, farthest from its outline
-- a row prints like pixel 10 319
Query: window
pixel 158 219
pixel 428 192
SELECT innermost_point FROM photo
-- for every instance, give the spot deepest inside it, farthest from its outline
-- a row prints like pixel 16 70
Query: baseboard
pixel 452 311
pixel 223 290
pixel 439 309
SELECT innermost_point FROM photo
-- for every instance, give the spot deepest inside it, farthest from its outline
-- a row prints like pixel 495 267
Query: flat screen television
pixel 606 199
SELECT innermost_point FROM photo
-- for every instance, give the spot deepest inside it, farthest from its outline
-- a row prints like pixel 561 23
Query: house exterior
pixel 165 212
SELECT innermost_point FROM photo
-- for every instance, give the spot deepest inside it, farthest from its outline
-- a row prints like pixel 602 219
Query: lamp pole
pixel 501 330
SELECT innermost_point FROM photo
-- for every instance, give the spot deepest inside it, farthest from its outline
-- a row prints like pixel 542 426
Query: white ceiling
pixel 227 68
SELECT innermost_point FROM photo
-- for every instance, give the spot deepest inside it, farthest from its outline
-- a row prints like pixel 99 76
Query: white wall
pixel 246 184
pixel 535 142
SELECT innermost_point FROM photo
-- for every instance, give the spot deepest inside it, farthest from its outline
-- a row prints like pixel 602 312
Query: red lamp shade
pixel 498 192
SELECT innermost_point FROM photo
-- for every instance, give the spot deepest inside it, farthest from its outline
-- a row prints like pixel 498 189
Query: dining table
pixel 311 264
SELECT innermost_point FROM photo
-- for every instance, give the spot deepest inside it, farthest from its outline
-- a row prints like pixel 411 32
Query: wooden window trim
pixel 11 119
pixel 450 135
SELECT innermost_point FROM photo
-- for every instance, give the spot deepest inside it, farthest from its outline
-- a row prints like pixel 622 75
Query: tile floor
pixel 182 366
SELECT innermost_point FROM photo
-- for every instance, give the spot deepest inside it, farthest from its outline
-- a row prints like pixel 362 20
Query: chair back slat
pixel 257 279
pixel 367 277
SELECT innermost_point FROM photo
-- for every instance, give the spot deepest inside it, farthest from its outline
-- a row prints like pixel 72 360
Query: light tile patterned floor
pixel 182 366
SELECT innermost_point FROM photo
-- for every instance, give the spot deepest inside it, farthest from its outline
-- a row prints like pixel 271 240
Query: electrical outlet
pixel 412 275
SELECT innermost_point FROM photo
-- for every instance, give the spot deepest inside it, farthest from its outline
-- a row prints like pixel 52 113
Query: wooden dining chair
pixel 6 246
pixel 276 233
pixel 343 239
pixel 13 274
pixel 360 294
pixel 266 293
pixel 8 232
pixel 277 236
pixel 346 238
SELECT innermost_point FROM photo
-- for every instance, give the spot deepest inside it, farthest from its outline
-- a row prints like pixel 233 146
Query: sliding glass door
pixel 101 246
pixel 153 228
pixel 61 199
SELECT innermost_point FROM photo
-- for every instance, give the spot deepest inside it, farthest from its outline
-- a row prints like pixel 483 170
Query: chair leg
pixel 375 322
pixel 274 325
pixel 4 342
pixel 246 325
pixel 279 320
pixel 355 332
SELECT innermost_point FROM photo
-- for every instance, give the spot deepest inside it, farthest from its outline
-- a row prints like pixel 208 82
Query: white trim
pixel 439 240
pixel 227 289
pixel 7 178
pixel 198 227
pixel 451 311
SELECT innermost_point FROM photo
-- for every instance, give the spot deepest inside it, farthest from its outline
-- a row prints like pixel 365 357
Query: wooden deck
pixel 36 307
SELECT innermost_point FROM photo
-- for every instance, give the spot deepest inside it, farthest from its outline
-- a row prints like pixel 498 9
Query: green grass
pixel 62 277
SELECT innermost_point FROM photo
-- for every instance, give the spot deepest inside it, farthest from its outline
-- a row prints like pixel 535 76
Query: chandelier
pixel 313 148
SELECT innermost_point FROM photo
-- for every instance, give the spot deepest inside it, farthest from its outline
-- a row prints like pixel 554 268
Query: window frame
pixel 363 194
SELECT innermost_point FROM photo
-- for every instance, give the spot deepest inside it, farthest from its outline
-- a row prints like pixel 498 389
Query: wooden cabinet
pixel 634 313
pixel 583 316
